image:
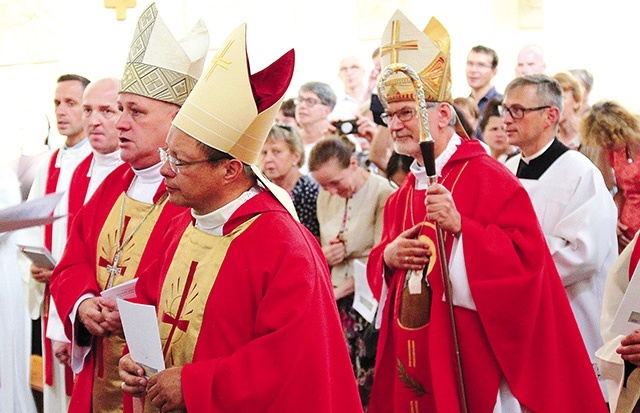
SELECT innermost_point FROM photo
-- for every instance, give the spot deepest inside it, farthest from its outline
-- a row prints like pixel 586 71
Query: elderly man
pixel 530 61
pixel 507 295
pixel 574 207
pixel 118 231
pixel 245 306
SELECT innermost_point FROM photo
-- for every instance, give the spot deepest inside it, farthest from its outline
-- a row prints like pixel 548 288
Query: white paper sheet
pixel 30 213
pixel 126 290
pixel 363 300
pixel 141 332
pixel 627 319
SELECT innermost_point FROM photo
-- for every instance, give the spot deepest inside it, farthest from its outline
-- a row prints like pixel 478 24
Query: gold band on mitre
pixel 159 66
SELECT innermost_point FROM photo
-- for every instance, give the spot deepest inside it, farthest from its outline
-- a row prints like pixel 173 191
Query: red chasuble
pixel 81 270
pixel 523 328
pixel 251 316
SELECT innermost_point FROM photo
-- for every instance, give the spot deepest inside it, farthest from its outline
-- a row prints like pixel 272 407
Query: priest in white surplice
pixel 576 212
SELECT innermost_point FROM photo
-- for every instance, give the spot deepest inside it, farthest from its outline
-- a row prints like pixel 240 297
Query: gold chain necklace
pixel 113 269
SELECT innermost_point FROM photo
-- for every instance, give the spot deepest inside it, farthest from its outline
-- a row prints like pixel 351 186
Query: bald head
pixel 530 61
pixel 99 114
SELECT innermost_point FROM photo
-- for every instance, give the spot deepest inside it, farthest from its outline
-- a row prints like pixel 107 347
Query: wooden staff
pixel 426 147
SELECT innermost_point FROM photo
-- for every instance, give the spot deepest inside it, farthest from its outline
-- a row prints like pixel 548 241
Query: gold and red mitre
pixel 427 52
pixel 232 110
pixel 161 67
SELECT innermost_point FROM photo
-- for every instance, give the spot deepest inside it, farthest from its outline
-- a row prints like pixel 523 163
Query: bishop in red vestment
pixel 245 305
pixel 518 341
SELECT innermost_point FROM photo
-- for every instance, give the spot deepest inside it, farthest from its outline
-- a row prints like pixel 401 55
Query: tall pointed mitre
pixel 232 110
pixel 427 52
pixel 161 67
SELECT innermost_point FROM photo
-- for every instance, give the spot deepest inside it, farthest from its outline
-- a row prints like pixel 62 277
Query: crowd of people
pixel 383 248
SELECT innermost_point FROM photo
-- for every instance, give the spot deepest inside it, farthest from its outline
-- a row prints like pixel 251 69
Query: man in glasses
pixel 246 311
pixel 574 207
pixel 118 231
pixel 507 295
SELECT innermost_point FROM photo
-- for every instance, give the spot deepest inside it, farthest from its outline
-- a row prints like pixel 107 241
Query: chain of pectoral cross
pixel 113 269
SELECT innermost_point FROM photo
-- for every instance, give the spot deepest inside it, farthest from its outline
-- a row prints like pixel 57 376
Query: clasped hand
pixel 100 316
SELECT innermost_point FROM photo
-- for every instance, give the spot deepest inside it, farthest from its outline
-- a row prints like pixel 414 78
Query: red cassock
pixel 523 329
pixel 76 275
pixel 251 315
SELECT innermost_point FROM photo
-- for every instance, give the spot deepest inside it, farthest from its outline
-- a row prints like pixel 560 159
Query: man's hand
pixel 407 252
pixel 62 351
pixel 90 314
pixel 630 348
pixel 40 274
pixel 164 390
pixel 442 210
pixel 621 231
pixel 334 252
pixel 111 315
pixel 132 376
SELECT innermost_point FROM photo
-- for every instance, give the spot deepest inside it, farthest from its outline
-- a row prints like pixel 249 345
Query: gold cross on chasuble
pixel 397 45
pixel 174 320
pixel 121 7
pixel 112 266
pixel 219 60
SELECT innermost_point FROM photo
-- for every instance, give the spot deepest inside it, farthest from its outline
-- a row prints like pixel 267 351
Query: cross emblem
pixel 175 321
pixel 112 268
pixel 219 60
pixel 397 45
pixel 121 7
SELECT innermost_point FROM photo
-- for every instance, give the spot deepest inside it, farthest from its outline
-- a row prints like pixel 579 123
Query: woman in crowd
pixel 494 134
pixel 280 160
pixel 569 127
pixel 616 131
pixel 350 209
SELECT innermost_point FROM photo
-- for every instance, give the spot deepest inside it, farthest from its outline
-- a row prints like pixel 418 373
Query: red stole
pixel 633 260
pixel 80 184
pixel 53 174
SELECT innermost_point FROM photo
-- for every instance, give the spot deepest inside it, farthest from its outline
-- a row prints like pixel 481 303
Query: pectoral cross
pixel 175 321
pixel 121 7
pixel 396 45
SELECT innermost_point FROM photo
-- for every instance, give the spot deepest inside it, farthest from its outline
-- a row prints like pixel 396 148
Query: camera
pixel 346 127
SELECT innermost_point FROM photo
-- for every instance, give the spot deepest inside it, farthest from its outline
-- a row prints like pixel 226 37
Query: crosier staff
pixel 426 147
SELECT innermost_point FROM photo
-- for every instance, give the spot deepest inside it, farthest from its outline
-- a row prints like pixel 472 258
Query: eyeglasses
pixel 311 102
pixel 404 115
pixel 478 65
pixel 518 112
pixel 176 164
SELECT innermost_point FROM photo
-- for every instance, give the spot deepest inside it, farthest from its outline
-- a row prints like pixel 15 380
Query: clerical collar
pixel 532 167
pixel 213 222
pixel 77 145
pixel 145 183
pixel 106 159
pixel 422 180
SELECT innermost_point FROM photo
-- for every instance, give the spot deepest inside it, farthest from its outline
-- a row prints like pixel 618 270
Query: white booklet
pixel 30 213
pixel 627 319
pixel 363 300
pixel 141 332
pixel 126 290
pixel 38 255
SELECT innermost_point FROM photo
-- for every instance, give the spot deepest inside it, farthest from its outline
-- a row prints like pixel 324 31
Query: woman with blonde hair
pixel 616 131
pixel 568 130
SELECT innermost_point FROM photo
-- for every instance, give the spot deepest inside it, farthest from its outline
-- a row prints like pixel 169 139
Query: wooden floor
pixel 36 380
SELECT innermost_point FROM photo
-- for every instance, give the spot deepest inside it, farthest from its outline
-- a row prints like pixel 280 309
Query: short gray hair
pixel 548 89
pixel 324 92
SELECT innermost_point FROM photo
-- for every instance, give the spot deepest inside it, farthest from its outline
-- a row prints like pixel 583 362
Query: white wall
pixel 41 39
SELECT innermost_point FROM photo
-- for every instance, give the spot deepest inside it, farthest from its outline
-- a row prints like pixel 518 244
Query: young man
pixel 55 176
pixel 507 295
pixel 245 308
pixel 574 207
pixel 482 67
pixel 119 229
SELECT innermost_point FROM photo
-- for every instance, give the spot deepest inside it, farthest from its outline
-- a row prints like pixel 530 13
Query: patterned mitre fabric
pixel 161 67
pixel 426 52
pixel 232 110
